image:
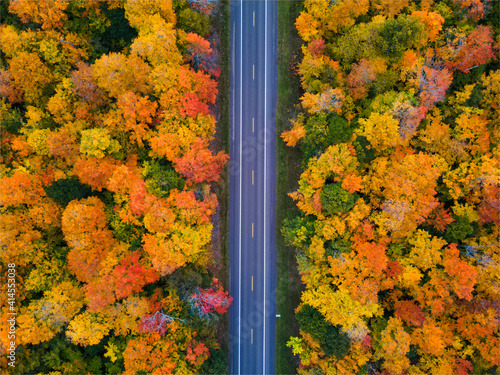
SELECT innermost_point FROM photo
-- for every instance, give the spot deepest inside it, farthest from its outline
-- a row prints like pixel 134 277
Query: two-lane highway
pixel 252 249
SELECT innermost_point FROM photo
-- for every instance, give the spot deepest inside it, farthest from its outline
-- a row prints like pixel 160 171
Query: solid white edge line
pixel 241 174
pixel 265 179
pixel 232 67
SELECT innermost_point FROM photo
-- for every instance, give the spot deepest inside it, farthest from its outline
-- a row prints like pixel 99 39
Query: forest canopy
pixel 106 186
pixel 397 227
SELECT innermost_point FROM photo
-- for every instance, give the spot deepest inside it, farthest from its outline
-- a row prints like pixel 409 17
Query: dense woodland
pixel 106 186
pixel 398 222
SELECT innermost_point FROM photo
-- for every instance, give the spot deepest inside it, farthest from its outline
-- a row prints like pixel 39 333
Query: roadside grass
pixel 221 24
pixel 289 286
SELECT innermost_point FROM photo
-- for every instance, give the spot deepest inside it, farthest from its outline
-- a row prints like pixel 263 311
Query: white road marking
pixel 252 177
pixel 265 179
pixel 253 125
pixel 241 159
pixel 254 19
pixel 253 72
pixel 252 230
pixel 252 283
pixel 251 336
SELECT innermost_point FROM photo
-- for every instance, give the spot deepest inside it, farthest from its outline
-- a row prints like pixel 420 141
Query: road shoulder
pixel 289 286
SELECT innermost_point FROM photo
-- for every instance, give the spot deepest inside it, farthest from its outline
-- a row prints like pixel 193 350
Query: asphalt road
pixel 252 248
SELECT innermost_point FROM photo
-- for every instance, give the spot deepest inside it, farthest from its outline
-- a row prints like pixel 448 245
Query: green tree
pixel 193 22
pixel 364 152
pixel 335 342
pixel 187 280
pixel 398 35
pixel 334 248
pixel 297 231
pixel 216 363
pixel 336 200
pixel 65 190
pixel 160 178
pixel 339 130
pixel 331 339
pixel 312 321
pixel 459 229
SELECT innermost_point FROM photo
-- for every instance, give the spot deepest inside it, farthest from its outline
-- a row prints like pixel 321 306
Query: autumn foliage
pixel 106 185
pixel 397 230
pixel 212 299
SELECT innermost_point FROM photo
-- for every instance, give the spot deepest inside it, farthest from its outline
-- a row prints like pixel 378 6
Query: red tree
pixel 361 74
pixel 432 84
pixel 198 83
pixel 201 55
pixel 316 47
pixel 440 217
pixel 7 87
pixel 410 313
pixel 199 164
pixel 130 276
pixel 489 208
pixel 475 8
pixel 86 87
pixel 140 200
pixel 477 50
pixel 197 353
pixel 156 322
pixel 462 275
pixel 190 105
pixel 206 301
pixel 99 293
pixel 202 6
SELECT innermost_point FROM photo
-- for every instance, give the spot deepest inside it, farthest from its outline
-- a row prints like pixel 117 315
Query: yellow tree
pixel 381 130
pixel 332 18
pixel 490 95
pixel 126 315
pixel 45 317
pixel 88 328
pixel 61 104
pixel 339 307
pixel 97 143
pixel 156 42
pixel 139 13
pixel 12 41
pixel 472 130
pixel 328 100
pixel 30 74
pixel 295 134
pixel 388 8
pixel 117 73
pixel 395 345
pixel 307 26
